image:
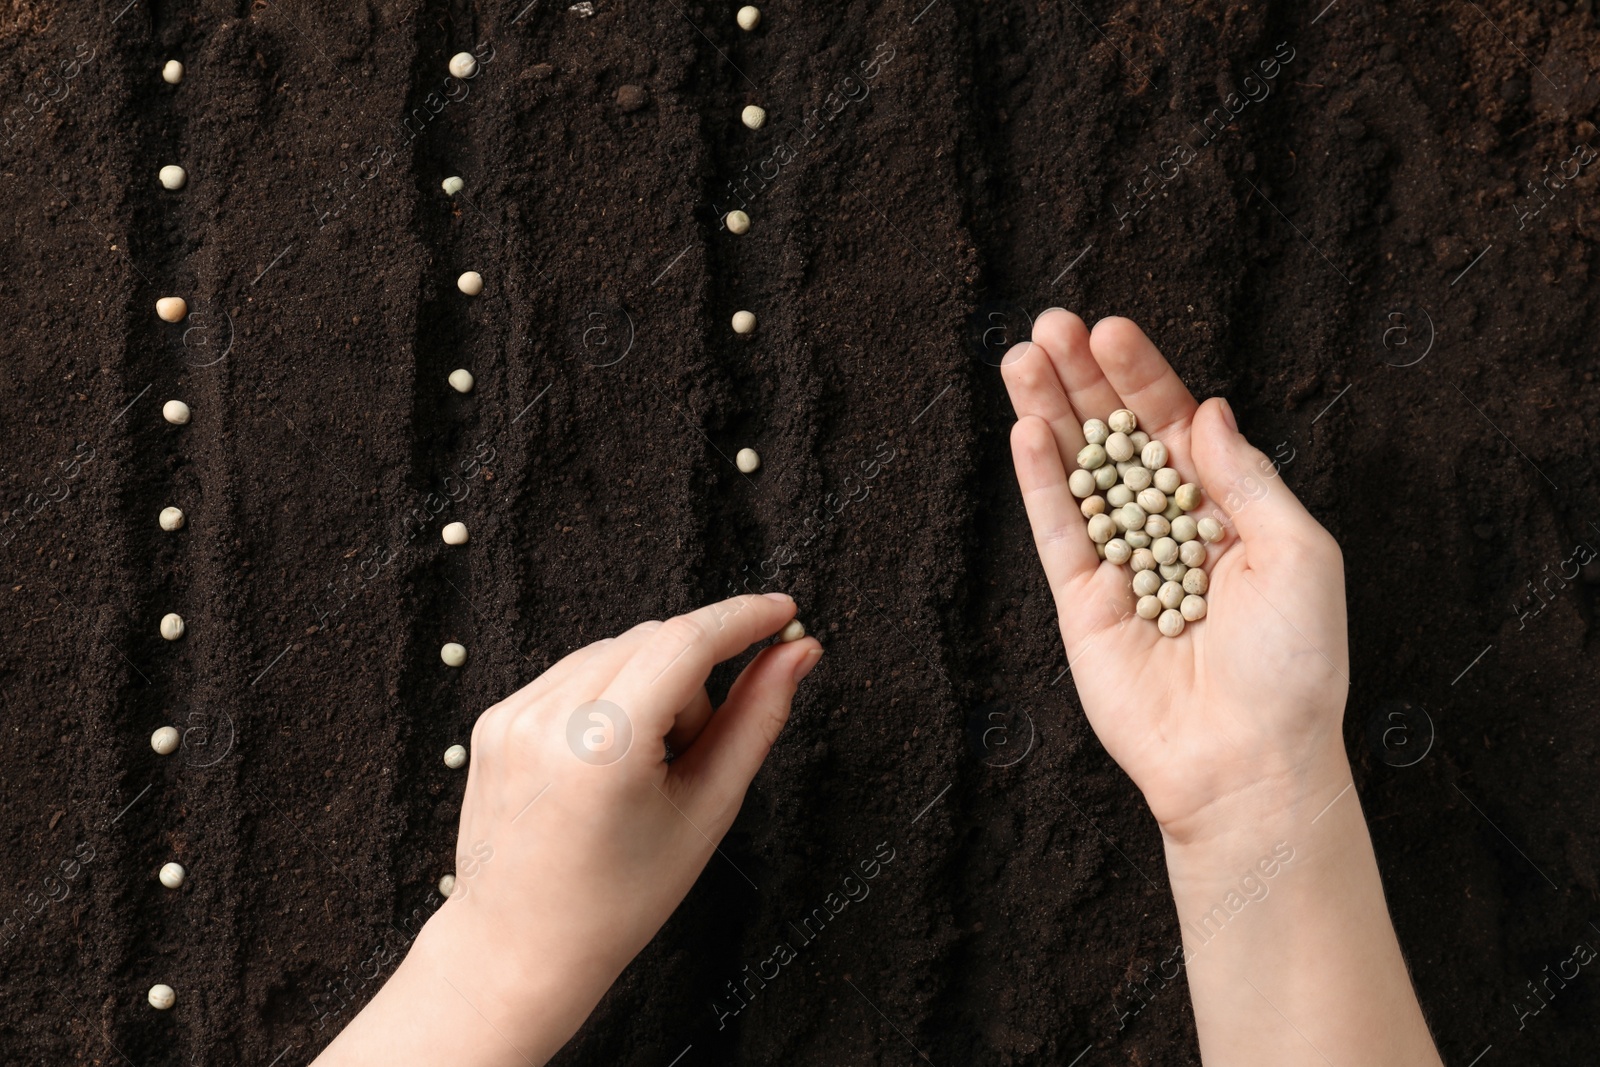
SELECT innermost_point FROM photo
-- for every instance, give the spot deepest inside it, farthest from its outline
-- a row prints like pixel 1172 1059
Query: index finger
pixel 675 660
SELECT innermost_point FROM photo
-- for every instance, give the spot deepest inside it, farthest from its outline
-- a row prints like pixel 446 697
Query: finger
pixel 691 720
pixel 1058 524
pixel 1146 382
pixel 1243 484
pixel 676 659
pixel 718 768
pixel 1035 390
pixel 1066 338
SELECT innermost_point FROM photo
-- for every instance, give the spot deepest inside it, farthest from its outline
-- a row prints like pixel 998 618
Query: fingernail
pixel 1227 415
pixel 808 661
pixel 782 598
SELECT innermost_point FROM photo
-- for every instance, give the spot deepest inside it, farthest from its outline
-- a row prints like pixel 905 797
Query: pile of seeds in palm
pixel 1137 508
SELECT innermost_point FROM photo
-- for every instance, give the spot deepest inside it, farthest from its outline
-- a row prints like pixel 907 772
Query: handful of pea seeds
pixel 1137 508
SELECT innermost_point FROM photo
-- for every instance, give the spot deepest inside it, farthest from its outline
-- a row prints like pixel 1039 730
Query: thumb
pixel 720 764
pixel 1243 484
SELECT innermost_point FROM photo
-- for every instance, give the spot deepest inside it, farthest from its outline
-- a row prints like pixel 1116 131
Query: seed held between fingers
pixel 793 630
pixel 455 757
pixel 447 885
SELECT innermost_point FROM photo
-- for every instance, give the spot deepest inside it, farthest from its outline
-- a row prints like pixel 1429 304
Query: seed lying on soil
pixel 749 17
pixel 753 117
pixel 172 875
pixel 452 185
pixel 175 412
pixel 747 461
pixel 455 757
pixel 172 72
pixel 165 741
pixel 461 380
pixel 173 176
pixel 172 308
pixel 454 533
pixel 793 630
pixel 744 322
pixel 162 997
pixel 172 626
pixel 171 519
pixel 452 654
pixel 736 221
pixel 463 65
pixel 447 885
pixel 470 282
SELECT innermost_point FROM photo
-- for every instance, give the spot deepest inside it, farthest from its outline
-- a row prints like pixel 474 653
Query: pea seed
pixel 1153 500
pixel 1148 607
pixel 1171 622
pixel 744 322
pixel 172 72
pixel 1095 432
pixel 1173 510
pixel 447 885
pixel 1130 517
pixel 1101 529
pixel 1118 551
pixel 452 654
pixel 1091 457
pixel 1187 496
pixel 1170 594
pixel 454 533
pixel 1154 455
pixel 736 221
pixel 1192 553
pixel 1105 477
pixel 1196 582
pixel 1092 506
pixel 172 177
pixel 172 626
pixel 1081 483
pixel 470 282
pixel 1157 526
pixel 463 65
pixel 455 757
pixel 165 741
pixel 1173 572
pixel 162 997
pixel 1123 421
pixel 753 117
pixel 1193 608
pixel 452 185
pixel 1145 583
pixel 1137 538
pixel 793 630
pixel 461 380
pixel 1142 560
pixel 1100 550
pixel 749 17
pixel 1183 529
pixel 1119 448
pixel 175 412
pixel 1125 465
pixel 1167 480
pixel 1209 529
pixel 172 308
pixel 1118 495
pixel 747 461
pixel 171 875
pixel 171 519
pixel 1165 549
pixel 1138 479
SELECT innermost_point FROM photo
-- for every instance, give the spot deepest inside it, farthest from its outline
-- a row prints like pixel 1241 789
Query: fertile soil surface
pixel 1381 252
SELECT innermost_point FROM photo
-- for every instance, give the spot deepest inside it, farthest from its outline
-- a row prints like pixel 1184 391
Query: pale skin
pixel 567 866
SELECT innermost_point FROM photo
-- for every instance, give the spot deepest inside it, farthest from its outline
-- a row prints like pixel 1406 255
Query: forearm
pixel 1290 952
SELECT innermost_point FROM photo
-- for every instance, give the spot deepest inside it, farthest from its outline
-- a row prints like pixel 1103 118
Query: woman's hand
pixel 578 838
pixel 1245 705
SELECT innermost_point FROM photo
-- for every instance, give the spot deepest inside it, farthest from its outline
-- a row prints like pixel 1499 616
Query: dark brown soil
pixel 1352 258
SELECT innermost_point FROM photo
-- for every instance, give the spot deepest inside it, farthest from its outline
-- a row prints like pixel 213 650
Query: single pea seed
pixel 172 626
pixel 454 533
pixel 1193 608
pixel 1196 582
pixel 1139 439
pixel 162 997
pixel 1167 480
pixel 165 741
pixel 1138 538
pixel 172 72
pixel 463 65
pixel 172 308
pixel 1119 495
pixel 1173 572
pixel 1145 583
pixel 1130 517
pixel 1125 465
pixel 793 630
pixel 1142 560
pixel 1092 506
pixel 1138 479
pixel 1165 549
pixel 1091 457
pixel 1105 477
pixel 744 322
pixel 1100 550
pixel 1148 607
pixel 470 282
pixel 461 380
pixel 1171 622
pixel 455 757
pixel 175 412
pixel 447 885
pixel 1209 529
pixel 747 461
pixel 753 117
pixel 1118 551
pixel 171 519
pixel 1119 448
pixel 737 221
pixel 1123 421
pixel 452 654
pixel 1157 526
pixel 1183 529
pixel 1170 594
pixel 1101 529
pixel 452 185
pixel 171 875
pixel 1188 496
pixel 1153 500
pixel 173 177
pixel 1095 432
pixel 1173 510
pixel 749 17
pixel 1081 482
pixel 1154 455
pixel 1192 553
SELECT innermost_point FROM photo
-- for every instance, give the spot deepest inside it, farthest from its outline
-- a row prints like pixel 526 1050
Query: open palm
pixel 1243 698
